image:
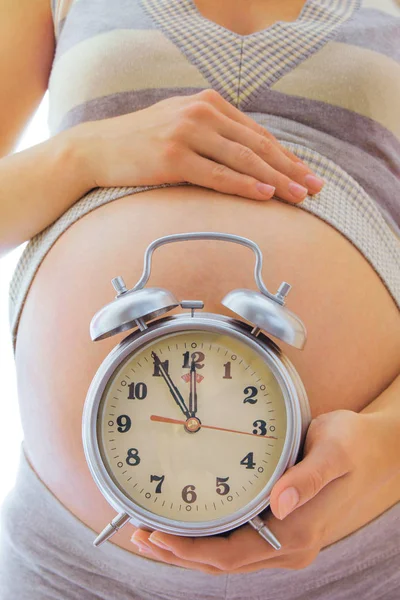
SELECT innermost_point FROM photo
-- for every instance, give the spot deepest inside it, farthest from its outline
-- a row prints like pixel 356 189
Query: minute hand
pixel 193 391
pixel 172 388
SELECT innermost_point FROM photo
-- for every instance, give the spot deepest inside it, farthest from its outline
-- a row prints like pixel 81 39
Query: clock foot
pixel 119 521
pixel 259 525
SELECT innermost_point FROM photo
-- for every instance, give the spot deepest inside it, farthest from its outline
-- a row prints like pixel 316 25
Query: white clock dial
pixel 192 425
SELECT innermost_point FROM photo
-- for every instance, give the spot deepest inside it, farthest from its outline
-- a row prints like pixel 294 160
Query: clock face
pixel 192 425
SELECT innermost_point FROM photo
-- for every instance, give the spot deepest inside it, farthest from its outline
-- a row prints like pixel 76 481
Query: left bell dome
pixel 122 313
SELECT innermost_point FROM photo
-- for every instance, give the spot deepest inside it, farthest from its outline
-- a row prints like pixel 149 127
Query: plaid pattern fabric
pixel 265 56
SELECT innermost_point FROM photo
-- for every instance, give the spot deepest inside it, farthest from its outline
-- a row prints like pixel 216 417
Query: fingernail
pixel 142 546
pixel 314 182
pixel 297 190
pixel 135 539
pixel 266 189
pixel 287 501
pixel 158 543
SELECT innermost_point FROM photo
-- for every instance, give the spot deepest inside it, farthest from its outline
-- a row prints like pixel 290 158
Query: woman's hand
pixel 345 460
pixel 201 139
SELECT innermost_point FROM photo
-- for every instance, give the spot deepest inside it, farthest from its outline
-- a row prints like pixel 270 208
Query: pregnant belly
pixel 353 325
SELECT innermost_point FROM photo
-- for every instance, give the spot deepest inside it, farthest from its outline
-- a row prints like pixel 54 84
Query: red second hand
pixel 178 422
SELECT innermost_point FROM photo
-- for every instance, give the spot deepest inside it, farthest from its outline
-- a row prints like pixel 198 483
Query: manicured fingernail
pixel 158 543
pixel 314 182
pixel 266 189
pixel 297 190
pixel 142 546
pixel 287 501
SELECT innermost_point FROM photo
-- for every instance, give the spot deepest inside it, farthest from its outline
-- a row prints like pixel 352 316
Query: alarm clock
pixel 192 418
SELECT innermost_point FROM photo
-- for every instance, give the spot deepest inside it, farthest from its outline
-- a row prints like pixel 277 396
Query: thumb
pixel 321 465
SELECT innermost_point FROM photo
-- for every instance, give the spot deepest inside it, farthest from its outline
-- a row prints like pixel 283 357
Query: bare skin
pixel 246 17
pixel 335 291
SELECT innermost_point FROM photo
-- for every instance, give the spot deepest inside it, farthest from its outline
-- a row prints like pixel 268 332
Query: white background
pixel 11 431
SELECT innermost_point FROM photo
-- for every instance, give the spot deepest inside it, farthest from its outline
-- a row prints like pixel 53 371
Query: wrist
pixel 76 145
pixel 383 414
pixel 384 442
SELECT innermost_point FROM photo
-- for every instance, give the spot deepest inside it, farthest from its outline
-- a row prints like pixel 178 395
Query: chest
pixel 246 17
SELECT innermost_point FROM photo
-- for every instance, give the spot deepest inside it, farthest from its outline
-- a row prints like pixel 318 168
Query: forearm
pixel 385 411
pixel 39 184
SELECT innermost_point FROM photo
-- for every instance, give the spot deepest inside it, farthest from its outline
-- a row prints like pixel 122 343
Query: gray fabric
pixel 47 553
pixel 372 29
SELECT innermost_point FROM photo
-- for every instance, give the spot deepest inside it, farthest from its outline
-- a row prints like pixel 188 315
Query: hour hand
pixel 172 388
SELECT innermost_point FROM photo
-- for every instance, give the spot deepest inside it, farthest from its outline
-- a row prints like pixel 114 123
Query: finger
pixel 149 550
pixel 295 560
pixel 270 168
pixel 169 558
pixel 266 147
pixel 324 462
pixel 237 115
pixel 242 546
pixel 208 174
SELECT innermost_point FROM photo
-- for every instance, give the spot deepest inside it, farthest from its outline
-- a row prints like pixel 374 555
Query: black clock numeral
pixel 188 494
pixel 137 391
pixel 222 487
pixel 248 461
pixel 164 364
pixel 227 371
pixel 253 392
pixel 197 357
pixel 160 479
pixel 133 457
pixel 262 427
pixel 124 423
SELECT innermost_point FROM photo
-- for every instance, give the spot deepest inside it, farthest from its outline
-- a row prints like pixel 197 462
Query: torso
pixel 336 292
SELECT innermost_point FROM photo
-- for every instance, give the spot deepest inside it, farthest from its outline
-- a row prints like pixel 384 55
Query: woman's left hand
pixel 343 462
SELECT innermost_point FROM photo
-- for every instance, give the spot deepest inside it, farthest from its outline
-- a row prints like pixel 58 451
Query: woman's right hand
pixel 201 139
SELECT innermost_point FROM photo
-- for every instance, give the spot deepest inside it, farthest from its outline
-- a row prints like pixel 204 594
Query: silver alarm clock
pixel 192 418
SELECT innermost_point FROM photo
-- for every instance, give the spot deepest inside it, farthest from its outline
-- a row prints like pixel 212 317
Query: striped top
pixel 327 85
